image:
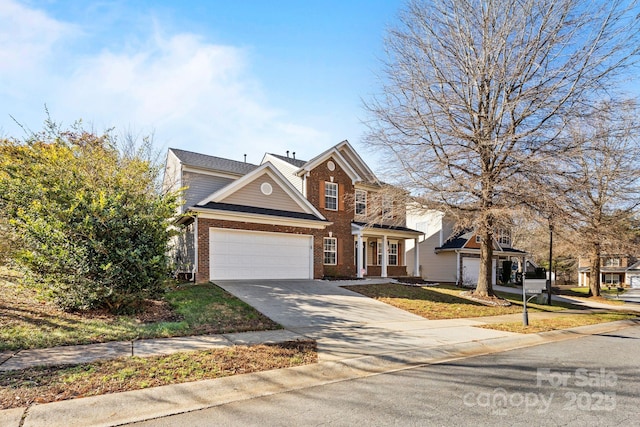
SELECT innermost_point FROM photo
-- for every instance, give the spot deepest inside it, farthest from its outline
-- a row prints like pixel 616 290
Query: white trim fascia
pixel 356 229
pixel 473 251
pixel 346 144
pixel 270 158
pixel 187 168
pixel 273 173
pixel 259 218
pixel 366 186
pixel 332 152
pixel 377 232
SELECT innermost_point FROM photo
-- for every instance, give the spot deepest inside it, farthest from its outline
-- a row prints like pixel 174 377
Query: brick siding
pixel 341 219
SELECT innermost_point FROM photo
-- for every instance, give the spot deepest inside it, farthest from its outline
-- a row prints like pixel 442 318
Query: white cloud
pixel 27 37
pixel 192 94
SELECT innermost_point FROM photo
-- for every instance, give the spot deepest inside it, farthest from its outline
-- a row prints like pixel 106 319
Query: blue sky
pixel 219 77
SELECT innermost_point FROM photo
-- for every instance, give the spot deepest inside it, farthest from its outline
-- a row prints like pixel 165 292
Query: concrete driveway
pixel 302 304
pixel 631 295
pixel 347 324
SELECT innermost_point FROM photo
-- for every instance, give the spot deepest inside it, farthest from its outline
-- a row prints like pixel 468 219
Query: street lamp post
pixel 550 261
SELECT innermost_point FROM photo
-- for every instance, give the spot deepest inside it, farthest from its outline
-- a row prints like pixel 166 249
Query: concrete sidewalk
pixel 583 302
pixel 147 404
pixel 77 354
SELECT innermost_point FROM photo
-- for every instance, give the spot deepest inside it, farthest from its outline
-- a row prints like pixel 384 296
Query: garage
pixel 471 271
pixel 242 255
pixel 635 282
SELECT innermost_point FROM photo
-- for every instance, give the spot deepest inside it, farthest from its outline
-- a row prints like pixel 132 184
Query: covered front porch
pixel 609 276
pixel 380 249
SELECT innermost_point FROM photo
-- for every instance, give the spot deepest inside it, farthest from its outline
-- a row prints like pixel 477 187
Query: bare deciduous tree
pixel 602 184
pixel 476 95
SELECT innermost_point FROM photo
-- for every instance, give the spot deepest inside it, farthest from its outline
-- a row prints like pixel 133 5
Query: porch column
pixel 579 279
pixel 416 257
pixel 359 264
pixel 599 278
pixel 385 256
pixel 458 268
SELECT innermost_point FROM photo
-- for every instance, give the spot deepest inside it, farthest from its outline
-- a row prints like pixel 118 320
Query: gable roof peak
pixel 348 158
pixel 275 174
pixel 291 160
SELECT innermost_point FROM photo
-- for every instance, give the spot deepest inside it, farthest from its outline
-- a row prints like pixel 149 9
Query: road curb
pixel 139 405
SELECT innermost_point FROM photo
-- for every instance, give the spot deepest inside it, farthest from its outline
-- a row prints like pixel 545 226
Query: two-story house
pixel 615 270
pixel 284 219
pixel 445 255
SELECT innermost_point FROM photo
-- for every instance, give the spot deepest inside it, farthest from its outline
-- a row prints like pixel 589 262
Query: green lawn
pixel 584 290
pixel 444 301
pixel 26 322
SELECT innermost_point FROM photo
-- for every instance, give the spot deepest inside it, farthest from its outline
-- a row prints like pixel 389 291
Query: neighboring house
pixel 445 256
pixel 615 270
pixel 283 219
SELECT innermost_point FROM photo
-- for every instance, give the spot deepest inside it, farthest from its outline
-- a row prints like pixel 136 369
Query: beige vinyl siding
pixel 251 195
pixel 437 267
pixel 171 178
pixel 287 170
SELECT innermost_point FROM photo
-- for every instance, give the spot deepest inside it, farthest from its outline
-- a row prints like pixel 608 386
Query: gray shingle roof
pixel 295 162
pixel 220 164
pixel 454 243
pixel 261 211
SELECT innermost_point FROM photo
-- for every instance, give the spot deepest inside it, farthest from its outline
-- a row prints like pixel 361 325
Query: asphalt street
pixel 588 381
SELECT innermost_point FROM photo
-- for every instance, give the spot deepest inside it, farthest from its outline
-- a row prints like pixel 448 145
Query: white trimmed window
pixel 393 253
pixel 612 262
pixel 612 279
pixel 330 251
pixel 331 196
pixel 387 208
pixel 504 237
pixel 361 202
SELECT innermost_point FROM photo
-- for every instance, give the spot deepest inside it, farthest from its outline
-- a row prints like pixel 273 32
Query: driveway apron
pixel 347 324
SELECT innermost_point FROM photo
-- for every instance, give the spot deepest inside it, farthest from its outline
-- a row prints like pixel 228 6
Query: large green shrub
pixel 90 220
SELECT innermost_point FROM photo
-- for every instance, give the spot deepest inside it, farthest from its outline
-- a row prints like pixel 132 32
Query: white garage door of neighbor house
pixel 471 271
pixel 240 255
pixel 635 282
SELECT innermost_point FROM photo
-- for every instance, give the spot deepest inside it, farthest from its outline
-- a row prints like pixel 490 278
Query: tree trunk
pixel 484 287
pixel 594 280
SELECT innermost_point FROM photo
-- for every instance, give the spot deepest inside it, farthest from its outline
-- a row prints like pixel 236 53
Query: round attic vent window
pixel 331 166
pixel 266 188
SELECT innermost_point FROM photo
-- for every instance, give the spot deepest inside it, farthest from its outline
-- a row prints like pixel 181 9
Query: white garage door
pixel 236 254
pixel 635 281
pixel 471 271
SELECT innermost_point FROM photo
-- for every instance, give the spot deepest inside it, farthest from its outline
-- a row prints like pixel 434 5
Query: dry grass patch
pixel 50 384
pixel 560 322
pixel 444 302
pixel 188 309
